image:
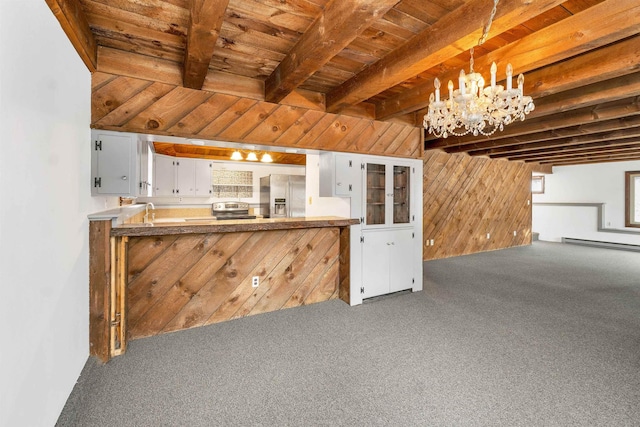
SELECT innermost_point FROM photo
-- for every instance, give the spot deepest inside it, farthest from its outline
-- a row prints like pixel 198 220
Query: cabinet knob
pixel 124 178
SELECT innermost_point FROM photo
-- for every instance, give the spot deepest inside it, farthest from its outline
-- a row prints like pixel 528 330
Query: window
pixel 632 199
pixel 537 184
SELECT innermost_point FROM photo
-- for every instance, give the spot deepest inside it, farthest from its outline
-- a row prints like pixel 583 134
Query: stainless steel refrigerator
pixel 282 196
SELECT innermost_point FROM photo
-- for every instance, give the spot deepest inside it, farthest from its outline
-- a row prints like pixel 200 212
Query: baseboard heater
pixel 608 245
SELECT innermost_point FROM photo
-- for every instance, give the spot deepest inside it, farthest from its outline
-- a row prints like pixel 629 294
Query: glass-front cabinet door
pixel 401 194
pixel 376 194
pixel 388 194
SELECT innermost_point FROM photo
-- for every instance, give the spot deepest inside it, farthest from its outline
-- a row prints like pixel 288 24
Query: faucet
pixel 146 215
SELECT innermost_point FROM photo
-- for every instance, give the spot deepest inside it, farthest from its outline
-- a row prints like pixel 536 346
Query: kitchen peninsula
pixel 149 279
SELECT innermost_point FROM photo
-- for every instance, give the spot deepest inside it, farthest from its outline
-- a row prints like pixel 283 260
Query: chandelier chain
pixel 485 32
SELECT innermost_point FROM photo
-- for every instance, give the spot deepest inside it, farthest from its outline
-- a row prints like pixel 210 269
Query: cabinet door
pixel 185 177
pixel 346 175
pixel 376 196
pixel 375 262
pixel 340 175
pixel 145 154
pixel 203 178
pixel 164 176
pixel 113 173
pixel 401 194
pixel 401 260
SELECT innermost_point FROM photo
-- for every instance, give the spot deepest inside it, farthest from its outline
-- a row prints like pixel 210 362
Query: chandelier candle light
pixel 476 109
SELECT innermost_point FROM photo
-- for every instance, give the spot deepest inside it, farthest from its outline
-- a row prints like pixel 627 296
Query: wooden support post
pixel 118 296
pixel 344 280
pixel 99 289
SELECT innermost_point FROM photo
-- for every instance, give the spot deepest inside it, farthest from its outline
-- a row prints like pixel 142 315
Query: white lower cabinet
pixel 387 261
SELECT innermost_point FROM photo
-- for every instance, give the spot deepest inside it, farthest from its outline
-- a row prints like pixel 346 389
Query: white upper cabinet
pixel 177 176
pixel 164 180
pixel 185 177
pixel 339 175
pixel 203 178
pixel 387 198
pixel 114 164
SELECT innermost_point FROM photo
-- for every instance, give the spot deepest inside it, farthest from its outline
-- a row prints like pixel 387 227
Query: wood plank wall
pixel 180 282
pixel 133 105
pixel 467 197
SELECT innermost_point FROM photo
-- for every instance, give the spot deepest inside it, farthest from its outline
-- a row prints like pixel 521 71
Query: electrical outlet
pixel 310 200
pixel 428 242
pixel 431 242
pixel 515 233
pixel 488 235
pixel 255 281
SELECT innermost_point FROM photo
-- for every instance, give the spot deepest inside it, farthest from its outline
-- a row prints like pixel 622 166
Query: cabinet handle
pixel 338 184
pixel 124 178
pixel 390 194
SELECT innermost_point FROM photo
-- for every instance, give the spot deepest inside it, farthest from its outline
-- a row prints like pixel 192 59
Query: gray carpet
pixel 544 335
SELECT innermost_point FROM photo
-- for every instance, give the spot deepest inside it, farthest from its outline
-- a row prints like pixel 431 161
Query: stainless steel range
pixel 231 210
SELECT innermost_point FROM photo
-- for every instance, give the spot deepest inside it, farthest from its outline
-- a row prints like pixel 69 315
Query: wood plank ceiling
pixel 377 59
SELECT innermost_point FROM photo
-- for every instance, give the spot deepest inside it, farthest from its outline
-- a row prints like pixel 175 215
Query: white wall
pixel 44 200
pixel 595 183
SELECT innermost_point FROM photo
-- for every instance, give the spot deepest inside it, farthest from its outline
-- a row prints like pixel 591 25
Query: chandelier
pixel 474 108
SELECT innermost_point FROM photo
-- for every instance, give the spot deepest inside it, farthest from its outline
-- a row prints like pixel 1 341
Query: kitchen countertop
pixel 199 226
pixel 117 215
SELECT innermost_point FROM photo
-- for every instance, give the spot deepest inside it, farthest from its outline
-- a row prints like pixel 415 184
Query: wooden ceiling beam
pixel 584 133
pixel 608 159
pixel 624 155
pixel 205 21
pixel 456 32
pixel 589 95
pixel 573 145
pixel 75 25
pixel 545 169
pixel 546 47
pixel 578 149
pixel 604 139
pixel 334 29
pixel 601 112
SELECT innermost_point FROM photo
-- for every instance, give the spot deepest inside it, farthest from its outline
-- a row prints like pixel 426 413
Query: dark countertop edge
pixel 236 226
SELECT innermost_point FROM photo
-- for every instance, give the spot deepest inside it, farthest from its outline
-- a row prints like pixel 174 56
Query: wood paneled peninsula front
pixel 149 279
